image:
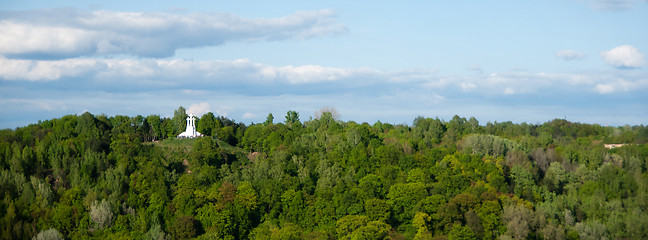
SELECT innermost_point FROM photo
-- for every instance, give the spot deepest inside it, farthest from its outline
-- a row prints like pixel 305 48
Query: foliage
pixel 184 227
pixel 49 234
pixel 99 177
pixel 101 214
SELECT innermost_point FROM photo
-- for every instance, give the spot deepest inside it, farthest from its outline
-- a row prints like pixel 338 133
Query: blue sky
pixel 523 61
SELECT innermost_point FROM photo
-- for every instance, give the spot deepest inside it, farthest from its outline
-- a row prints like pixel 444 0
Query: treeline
pixel 87 176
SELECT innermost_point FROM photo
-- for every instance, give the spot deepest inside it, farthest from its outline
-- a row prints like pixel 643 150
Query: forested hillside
pixel 102 177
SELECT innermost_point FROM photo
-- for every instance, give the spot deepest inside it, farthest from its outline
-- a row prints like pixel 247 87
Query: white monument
pixel 191 128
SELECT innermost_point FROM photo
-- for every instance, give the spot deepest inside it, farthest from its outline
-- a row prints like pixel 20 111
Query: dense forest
pixel 120 177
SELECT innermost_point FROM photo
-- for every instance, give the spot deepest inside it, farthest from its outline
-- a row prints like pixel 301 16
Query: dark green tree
pixel 184 227
pixel 292 118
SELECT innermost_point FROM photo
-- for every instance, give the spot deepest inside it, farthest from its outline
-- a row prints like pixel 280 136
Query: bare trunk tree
pixel 328 109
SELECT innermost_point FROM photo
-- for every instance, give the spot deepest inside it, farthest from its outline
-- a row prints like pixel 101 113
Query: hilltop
pixel 113 177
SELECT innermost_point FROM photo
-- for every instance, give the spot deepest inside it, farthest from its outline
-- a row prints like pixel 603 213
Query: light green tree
pixel 179 120
pixel 49 234
pixel 269 120
pixel 101 214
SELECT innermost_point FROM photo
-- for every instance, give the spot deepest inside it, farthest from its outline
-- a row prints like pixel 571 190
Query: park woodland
pixel 92 176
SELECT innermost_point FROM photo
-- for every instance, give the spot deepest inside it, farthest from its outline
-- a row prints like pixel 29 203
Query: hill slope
pixel 102 177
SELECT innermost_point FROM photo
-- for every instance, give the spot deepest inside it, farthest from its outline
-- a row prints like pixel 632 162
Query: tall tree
pixel 328 109
pixel 208 125
pixel 179 120
pixel 156 127
pixel 269 120
pixel 292 118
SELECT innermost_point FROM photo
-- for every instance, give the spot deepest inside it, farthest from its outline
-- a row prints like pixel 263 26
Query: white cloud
pixel 625 56
pixel 192 92
pixel 615 5
pixel 224 110
pixel 467 86
pixel 604 88
pixel 520 83
pixel 12 69
pixel 63 33
pixel 569 55
pixel 25 38
pixel 199 109
pixel 416 75
pixel 249 90
pixel 620 85
pixel 187 74
pixel 314 73
pixel 401 106
pixel 248 115
pixel 197 78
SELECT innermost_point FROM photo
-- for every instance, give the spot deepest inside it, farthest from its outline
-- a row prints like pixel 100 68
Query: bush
pixel 101 214
pixel 49 234
pixel 184 227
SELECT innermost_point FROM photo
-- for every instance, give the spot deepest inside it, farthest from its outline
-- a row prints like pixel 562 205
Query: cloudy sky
pixel 523 61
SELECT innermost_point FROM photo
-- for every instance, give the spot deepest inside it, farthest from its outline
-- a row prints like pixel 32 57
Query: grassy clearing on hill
pixel 186 144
